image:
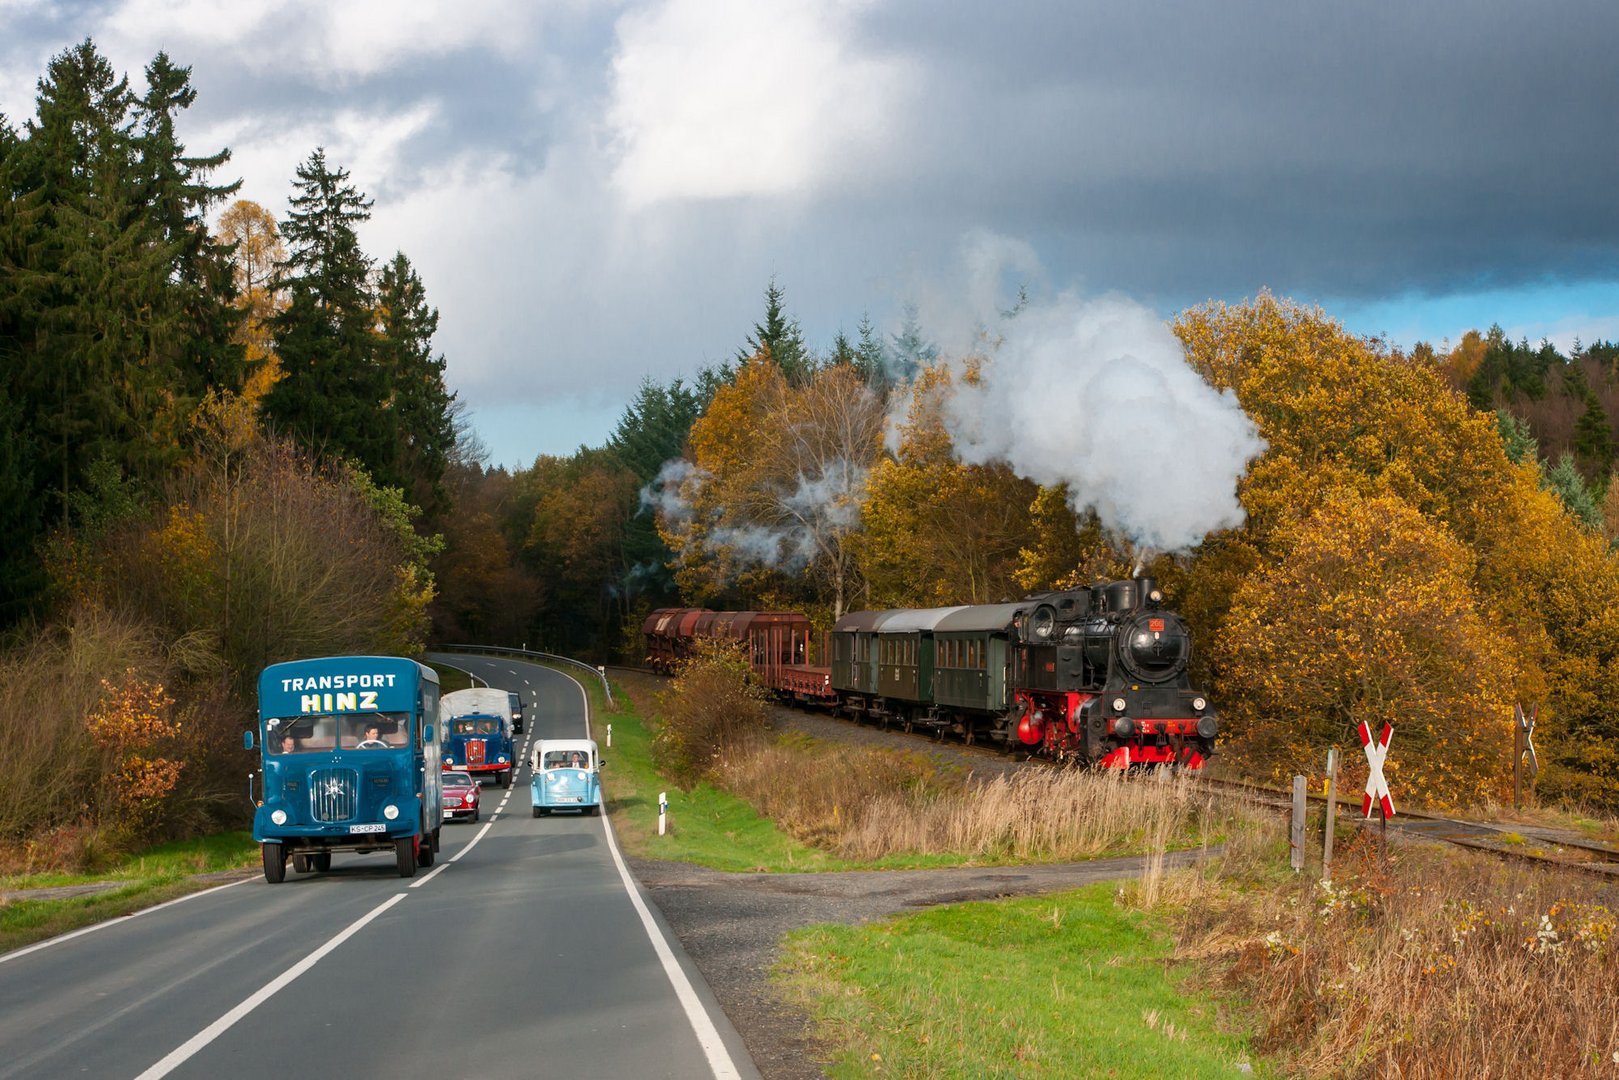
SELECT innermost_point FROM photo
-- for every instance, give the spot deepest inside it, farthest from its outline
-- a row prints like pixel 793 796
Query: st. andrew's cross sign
pixel 1377 788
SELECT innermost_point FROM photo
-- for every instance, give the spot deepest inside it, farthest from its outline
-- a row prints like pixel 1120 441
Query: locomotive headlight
pixel 1198 704
pixel 1118 704
pixel 390 811
pixel 278 816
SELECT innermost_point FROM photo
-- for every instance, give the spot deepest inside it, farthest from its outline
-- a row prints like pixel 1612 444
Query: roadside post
pixel 607 687
pixel 663 810
pixel 1296 836
pixel 609 736
pixel 1523 750
pixel 1332 812
pixel 1377 787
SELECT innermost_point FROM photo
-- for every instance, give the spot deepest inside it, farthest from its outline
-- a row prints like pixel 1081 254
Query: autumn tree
pixel 938 531
pixel 249 232
pixel 1341 416
pixel 1370 617
pixel 776 479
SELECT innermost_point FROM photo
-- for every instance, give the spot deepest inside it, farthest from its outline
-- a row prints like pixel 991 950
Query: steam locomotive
pixel 1094 676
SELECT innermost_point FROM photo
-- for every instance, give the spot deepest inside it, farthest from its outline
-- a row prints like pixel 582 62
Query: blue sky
pixel 598 192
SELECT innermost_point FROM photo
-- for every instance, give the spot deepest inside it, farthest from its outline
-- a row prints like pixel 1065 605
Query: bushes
pixel 122 718
pixel 713 706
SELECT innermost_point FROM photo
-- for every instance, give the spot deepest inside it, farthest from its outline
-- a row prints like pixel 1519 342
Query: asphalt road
pixel 526 950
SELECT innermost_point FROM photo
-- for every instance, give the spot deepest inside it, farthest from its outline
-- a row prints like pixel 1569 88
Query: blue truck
pixel 350 751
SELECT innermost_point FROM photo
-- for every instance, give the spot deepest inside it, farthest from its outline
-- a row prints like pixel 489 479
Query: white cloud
pixel 355 38
pixel 740 97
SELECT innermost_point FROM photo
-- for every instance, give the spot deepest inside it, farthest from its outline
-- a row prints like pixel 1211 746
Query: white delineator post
pixel 609 736
pixel 663 810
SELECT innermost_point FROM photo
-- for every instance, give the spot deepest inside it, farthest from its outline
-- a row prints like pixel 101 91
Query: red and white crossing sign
pixel 1377 788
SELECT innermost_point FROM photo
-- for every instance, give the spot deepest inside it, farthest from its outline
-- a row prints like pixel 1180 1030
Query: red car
pixel 460 795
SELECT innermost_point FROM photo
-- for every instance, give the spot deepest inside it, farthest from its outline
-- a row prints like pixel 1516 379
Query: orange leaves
pixel 129 722
pixel 134 713
pixel 1369 616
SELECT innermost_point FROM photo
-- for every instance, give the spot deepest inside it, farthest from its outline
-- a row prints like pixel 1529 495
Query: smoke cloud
pixel 1097 394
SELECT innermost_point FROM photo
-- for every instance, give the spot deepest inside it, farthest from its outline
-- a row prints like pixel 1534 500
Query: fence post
pixel 1296 840
pixel 1332 812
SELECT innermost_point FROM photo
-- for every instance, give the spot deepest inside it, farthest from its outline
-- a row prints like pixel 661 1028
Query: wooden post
pixel 1297 839
pixel 1332 812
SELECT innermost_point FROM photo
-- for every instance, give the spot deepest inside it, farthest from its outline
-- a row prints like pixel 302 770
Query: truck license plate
pixel 373 827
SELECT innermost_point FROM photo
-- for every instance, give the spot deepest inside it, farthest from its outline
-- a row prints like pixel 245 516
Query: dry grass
pixel 872 804
pixel 1433 963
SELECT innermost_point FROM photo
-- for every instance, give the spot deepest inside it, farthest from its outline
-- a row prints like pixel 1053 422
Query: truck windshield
pixel 341 731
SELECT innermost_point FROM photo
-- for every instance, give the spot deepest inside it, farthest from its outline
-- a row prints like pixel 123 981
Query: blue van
pixel 349 747
pixel 566 776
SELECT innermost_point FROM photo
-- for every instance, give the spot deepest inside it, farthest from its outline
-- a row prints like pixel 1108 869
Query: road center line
pixel 213 1031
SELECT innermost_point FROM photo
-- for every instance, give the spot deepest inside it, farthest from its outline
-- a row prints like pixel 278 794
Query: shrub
pixel 713 705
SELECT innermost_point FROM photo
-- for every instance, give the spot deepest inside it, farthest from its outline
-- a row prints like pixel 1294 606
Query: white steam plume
pixel 1098 395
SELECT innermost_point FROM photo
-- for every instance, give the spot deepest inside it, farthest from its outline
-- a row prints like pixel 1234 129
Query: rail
pixel 506 650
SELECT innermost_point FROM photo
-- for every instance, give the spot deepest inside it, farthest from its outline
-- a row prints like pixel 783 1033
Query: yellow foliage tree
pixel 1341 414
pixel 779 474
pixel 257 248
pixel 1370 617
pixel 938 531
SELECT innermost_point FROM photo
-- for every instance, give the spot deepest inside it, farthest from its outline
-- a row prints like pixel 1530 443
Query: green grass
pixel 1064 985
pixel 451 679
pixel 151 877
pixel 707 826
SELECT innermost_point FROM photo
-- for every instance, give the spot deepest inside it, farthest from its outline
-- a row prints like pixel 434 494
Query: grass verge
pixel 708 826
pixel 140 881
pixel 1071 984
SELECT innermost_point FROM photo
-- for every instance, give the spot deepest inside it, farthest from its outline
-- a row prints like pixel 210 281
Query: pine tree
pixel 332 383
pixel 781 338
pixel 418 402
pixel 911 352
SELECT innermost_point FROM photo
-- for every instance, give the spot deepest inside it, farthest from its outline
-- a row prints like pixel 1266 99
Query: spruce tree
pixel 418 404
pixel 333 384
pixel 781 338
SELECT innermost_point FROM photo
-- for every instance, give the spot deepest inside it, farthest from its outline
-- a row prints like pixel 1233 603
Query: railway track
pixel 1527 843
pixel 1512 841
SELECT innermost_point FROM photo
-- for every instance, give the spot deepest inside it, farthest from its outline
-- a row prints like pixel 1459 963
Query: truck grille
pixel 333 794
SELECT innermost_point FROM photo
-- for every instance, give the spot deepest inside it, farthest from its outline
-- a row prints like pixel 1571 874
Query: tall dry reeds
pixel 871 804
pixel 51 768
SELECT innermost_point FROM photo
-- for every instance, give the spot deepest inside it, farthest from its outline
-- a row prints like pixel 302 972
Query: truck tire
pixel 405 856
pixel 275 862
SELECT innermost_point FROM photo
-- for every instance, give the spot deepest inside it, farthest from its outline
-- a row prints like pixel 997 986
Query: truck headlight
pixel 278 816
pixel 390 811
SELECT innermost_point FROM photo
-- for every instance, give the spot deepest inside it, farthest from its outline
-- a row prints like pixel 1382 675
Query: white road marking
pixel 213 1031
pixel 431 874
pixel 116 921
pixel 702 1025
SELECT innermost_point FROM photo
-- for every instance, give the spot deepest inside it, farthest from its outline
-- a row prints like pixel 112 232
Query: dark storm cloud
pixel 1347 149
